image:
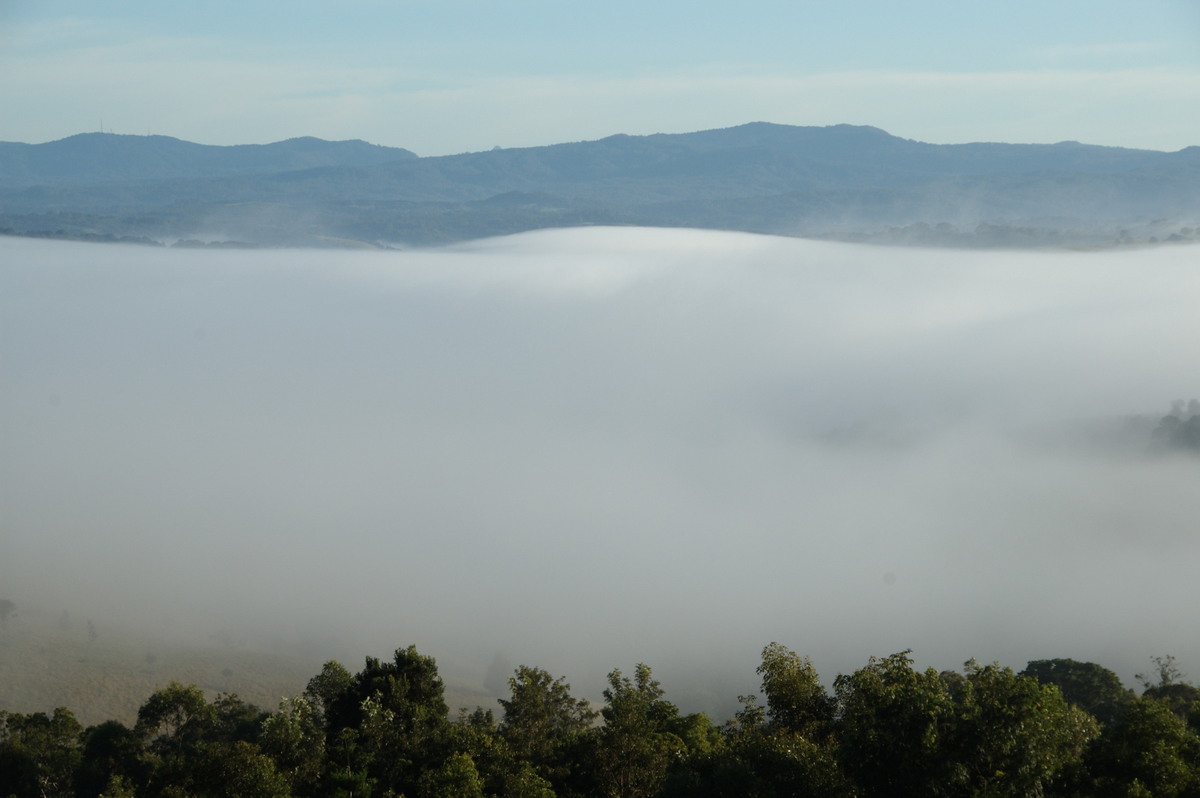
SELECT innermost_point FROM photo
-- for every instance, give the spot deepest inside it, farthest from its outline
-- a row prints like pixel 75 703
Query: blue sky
pixel 464 75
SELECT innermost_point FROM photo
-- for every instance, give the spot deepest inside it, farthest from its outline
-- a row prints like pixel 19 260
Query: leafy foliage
pixel 1091 687
pixel 39 753
pixel 542 720
pixel 893 724
pixel 1013 735
pixel 888 729
pixel 796 699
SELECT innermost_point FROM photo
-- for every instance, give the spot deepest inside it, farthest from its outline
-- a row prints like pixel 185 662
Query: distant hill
pixel 92 158
pixel 841 181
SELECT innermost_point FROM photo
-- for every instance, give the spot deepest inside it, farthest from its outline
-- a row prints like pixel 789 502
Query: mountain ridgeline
pixel 847 182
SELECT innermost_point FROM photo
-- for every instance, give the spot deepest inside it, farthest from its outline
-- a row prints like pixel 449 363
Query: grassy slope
pixel 47 662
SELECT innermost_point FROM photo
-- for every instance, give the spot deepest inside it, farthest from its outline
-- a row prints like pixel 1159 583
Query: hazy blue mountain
pixel 90 158
pixel 842 180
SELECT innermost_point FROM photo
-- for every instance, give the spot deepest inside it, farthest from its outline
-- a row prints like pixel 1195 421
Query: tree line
pixel 1057 728
pixel 1179 430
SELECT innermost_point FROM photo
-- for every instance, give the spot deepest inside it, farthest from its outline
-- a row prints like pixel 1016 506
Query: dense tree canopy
pixel 1091 687
pixel 1057 728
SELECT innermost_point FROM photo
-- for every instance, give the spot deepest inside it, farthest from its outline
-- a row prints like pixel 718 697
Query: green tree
pixel 524 782
pixel 1165 671
pixel 456 778
pixel 118 787
pixel 398 712
pixel 635 747
pixel 39 753
pixel 1013 735
pixel 235 719
pixel 1182 697
pixel 111 751
pixel 174 719
pixel 204 749
pixel 295 741
pixel 346 774
pixel 893 722
pixel 236 769
pixel 782 749
pixel 1091 687
pixel 476 735
pixel 542 719
pixel 1150 751
pixel 796 699
pixel 328 687
pixel 761 763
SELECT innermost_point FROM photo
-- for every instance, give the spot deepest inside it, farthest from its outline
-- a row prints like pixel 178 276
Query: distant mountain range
pixel 850 182
pixel 99 158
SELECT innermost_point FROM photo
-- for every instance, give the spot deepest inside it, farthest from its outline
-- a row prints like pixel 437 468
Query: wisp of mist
pixel 583 449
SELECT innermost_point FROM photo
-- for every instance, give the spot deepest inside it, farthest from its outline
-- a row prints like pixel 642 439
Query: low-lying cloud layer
pixel 588 448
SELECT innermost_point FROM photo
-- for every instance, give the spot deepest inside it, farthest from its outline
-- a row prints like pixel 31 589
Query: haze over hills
pixel 97 158
pixel 842 181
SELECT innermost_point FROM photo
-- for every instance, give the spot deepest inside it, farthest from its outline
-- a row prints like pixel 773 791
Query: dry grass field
pixel 49 660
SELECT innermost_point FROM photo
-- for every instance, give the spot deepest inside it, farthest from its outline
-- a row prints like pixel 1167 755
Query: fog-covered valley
pixel 580 449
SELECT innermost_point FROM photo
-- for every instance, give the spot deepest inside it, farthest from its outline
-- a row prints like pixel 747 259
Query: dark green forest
pixel 1057 728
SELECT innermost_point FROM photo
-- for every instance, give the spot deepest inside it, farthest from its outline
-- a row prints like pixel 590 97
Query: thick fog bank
pixel 588 448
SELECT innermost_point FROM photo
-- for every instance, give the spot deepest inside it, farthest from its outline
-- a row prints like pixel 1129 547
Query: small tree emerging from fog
pixel 7 608
pixel 1165 669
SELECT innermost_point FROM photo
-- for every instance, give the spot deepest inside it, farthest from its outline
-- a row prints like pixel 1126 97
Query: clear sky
pixel 465 75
